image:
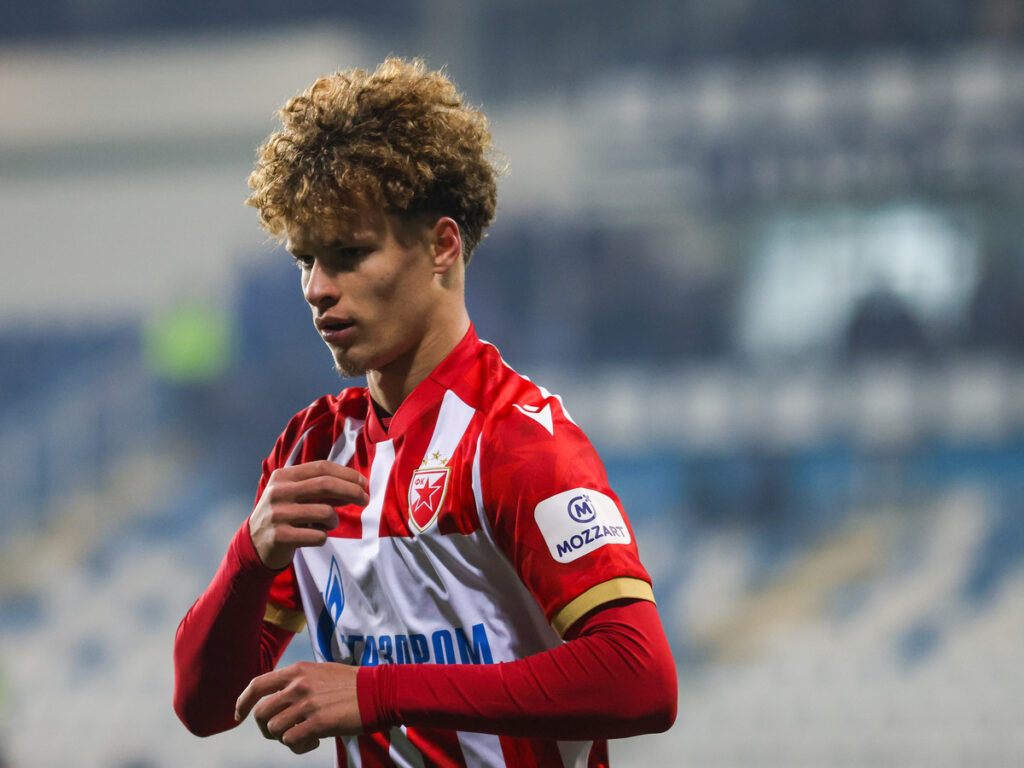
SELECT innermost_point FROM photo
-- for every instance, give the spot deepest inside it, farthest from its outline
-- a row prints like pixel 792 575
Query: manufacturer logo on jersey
pixel 427 492
pixel 330 614
pixel 577 522
pixel 541 415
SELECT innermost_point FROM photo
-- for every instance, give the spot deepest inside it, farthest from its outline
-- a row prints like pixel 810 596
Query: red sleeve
pixel 284 591
pixel 223 642
pixel 614 678
pixel 550 504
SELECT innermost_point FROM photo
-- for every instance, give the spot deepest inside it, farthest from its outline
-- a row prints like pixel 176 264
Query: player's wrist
pixel 376 689
pixel 246 555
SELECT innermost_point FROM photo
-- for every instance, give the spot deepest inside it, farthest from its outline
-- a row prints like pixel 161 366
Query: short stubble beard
pixel 348 370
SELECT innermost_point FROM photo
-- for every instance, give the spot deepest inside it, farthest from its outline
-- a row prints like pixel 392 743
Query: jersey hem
pixel 613 589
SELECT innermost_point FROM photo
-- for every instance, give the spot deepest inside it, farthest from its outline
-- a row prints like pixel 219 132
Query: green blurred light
pixel 190 344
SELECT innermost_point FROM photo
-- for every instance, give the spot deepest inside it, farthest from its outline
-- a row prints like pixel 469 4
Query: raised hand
pixel 297 508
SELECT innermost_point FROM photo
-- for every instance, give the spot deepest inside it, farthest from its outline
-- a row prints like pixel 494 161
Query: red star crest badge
pixel 427 492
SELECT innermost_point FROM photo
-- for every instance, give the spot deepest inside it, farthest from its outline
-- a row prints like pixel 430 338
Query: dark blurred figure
pixel 884 325
pixel 996 317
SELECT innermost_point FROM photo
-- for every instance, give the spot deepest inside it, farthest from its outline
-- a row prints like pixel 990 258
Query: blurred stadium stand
pixel 771 260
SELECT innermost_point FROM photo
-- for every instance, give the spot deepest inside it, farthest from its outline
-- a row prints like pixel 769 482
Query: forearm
pixel 223 642
pixel 616 678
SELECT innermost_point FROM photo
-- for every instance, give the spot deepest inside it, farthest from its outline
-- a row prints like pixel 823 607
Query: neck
pixel 391 384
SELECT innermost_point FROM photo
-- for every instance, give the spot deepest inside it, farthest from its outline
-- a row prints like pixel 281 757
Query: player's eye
pixel 353 252
pixel 302 261
pixel 349 258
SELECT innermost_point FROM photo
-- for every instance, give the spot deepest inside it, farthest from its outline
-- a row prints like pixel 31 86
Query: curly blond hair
pixel 398 140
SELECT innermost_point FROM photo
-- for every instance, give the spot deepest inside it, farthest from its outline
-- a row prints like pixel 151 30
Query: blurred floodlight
pixel 811 269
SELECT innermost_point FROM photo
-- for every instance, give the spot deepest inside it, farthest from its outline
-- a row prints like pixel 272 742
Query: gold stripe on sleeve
pixel 605 592
pixel 293 621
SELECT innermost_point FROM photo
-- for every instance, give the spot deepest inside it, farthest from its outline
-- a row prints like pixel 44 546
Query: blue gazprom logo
pixel 581 509
pixel 330 615
pixel 443 646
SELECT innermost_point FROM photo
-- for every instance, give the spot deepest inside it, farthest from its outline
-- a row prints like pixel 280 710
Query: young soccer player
pixel 470 582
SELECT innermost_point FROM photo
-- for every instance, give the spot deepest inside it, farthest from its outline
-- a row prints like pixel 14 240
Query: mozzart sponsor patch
pixel 575 523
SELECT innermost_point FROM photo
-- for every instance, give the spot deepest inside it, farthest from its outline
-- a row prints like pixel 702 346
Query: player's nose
pixel 319 289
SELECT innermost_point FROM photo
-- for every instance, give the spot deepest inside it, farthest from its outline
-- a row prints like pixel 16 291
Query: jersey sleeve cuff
pixel 285 618
pixel 252 569
pixel 246 555
pixel 623 587
pixel 376 689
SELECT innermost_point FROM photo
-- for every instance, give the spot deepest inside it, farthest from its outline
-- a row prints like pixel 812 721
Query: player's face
pixel 369 292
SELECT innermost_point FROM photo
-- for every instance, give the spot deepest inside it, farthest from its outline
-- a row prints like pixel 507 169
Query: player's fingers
pixel 258 688
pixel 322 516
pixel 285 720
pixel 322 467
pixel 321 490
pixel 328 489
pixel 305 730
pixel 301 536
pixel 302 746
pixel 276 705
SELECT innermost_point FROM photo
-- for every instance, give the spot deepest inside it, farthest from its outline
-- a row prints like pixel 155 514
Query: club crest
pixel 427 492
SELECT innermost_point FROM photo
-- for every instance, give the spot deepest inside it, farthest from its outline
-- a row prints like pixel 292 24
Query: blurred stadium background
pixel 769 252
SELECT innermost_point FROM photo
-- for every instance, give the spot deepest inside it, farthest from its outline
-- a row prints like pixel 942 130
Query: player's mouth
pixel 334 330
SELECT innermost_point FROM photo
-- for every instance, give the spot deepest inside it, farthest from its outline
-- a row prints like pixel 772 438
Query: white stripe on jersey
pixel 452 421
pixel 344 447
pixel 380 471
pixel 355 760
pixel 297 450
pixel 481 750
pixel 478 492
pixel 402 751
pixel 575 753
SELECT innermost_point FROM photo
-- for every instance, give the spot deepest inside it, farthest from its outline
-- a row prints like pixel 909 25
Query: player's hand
pixel 302 703
pixel 297 508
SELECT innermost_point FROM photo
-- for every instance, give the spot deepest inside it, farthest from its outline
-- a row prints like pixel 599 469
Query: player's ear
pixel 447 245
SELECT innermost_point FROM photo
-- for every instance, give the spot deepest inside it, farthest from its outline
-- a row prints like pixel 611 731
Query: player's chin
pixel 348 368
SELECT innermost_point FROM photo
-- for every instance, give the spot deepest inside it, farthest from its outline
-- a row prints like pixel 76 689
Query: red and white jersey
pixel 490 530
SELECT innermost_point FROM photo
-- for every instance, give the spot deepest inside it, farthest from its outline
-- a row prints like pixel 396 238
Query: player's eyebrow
pixel 338 244
pixel 341 245
pixel 356 239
